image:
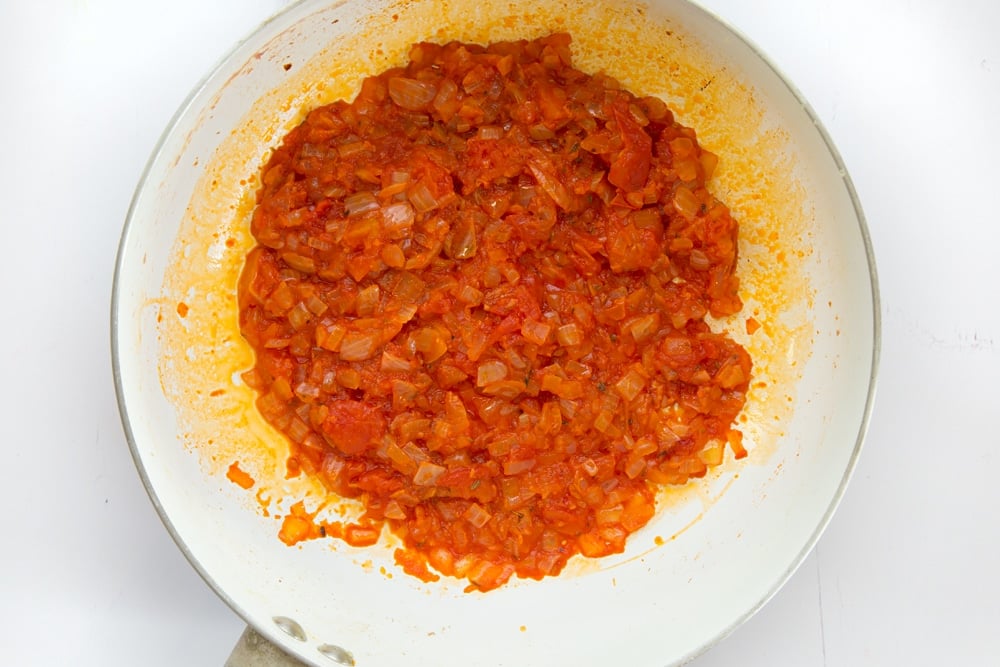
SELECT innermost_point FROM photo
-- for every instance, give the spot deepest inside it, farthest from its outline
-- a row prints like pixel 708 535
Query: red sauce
pixel 477 304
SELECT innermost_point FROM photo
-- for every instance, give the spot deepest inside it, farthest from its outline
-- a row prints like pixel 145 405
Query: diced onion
pixel 446 100
pixel 421 197
pixel 298 430
pixel 430 343
pixel 605 423
pixel 642 327
pixel 330 337
pixel 681 147
pixel 646 218
pixel 490 132
pixel 470 295
pixel 411 94
pixel 491 277
pixel 407 292
pixel 568 389
pixel 638 115
pixel 427 473
pixel 462 243
pixel 699 260
pixel 390 191
pixel 299 316
pixel 568 408
pixel 349 378
pixel 608 515
pixel 536 332
pixel 352 148
pixel 456 413
pixel 569 334
pixel 686 202
pixel 712 455
pixel 477 80
pixel 403 393
pixel 634 467
pixel 392 363
pixel 551 419
pixel 414 429
pixel 477 516
pixel 316 305
pixel 730 376
pixel 393 256
pixel 299 262
pixel 502 446
pixel 397 217
pixel 368 301
pixel 630 385
pixel 656 109
pixel 637 513
pixel 517 467
pixel 508 389
pixel 708 163
pixel 395 511
pixel 489 372
pixel 360 202
pixel 547 178
pixel 359 345
pixel 540 133
pixel 687 170
pixel 644 447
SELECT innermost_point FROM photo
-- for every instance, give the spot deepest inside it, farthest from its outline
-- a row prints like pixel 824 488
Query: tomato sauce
pixel 478 302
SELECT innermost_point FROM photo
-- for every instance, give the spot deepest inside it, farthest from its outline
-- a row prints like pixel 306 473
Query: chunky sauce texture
pixel 477 304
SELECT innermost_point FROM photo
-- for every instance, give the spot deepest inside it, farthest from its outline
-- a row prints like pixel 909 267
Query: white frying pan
pixel 715 552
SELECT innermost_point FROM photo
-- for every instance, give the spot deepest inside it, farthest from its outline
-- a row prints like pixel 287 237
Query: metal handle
pixel 253 650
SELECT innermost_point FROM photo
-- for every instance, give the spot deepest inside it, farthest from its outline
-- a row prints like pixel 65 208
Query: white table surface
pixel 907 572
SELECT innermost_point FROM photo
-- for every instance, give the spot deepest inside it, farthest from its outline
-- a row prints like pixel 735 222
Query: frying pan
pixel 717 549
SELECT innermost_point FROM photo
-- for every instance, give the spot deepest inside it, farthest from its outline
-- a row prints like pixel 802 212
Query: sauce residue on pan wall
pixel 202 352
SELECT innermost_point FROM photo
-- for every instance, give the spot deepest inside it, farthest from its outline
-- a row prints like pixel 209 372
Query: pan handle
pixel 253 650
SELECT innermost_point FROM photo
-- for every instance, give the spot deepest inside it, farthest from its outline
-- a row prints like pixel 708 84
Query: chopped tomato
pixel 630 168
pixel 352 426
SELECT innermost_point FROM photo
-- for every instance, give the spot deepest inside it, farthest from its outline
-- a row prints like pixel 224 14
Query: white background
pixel 907 572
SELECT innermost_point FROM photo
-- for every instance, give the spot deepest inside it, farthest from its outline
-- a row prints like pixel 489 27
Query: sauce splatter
pixel 237 476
